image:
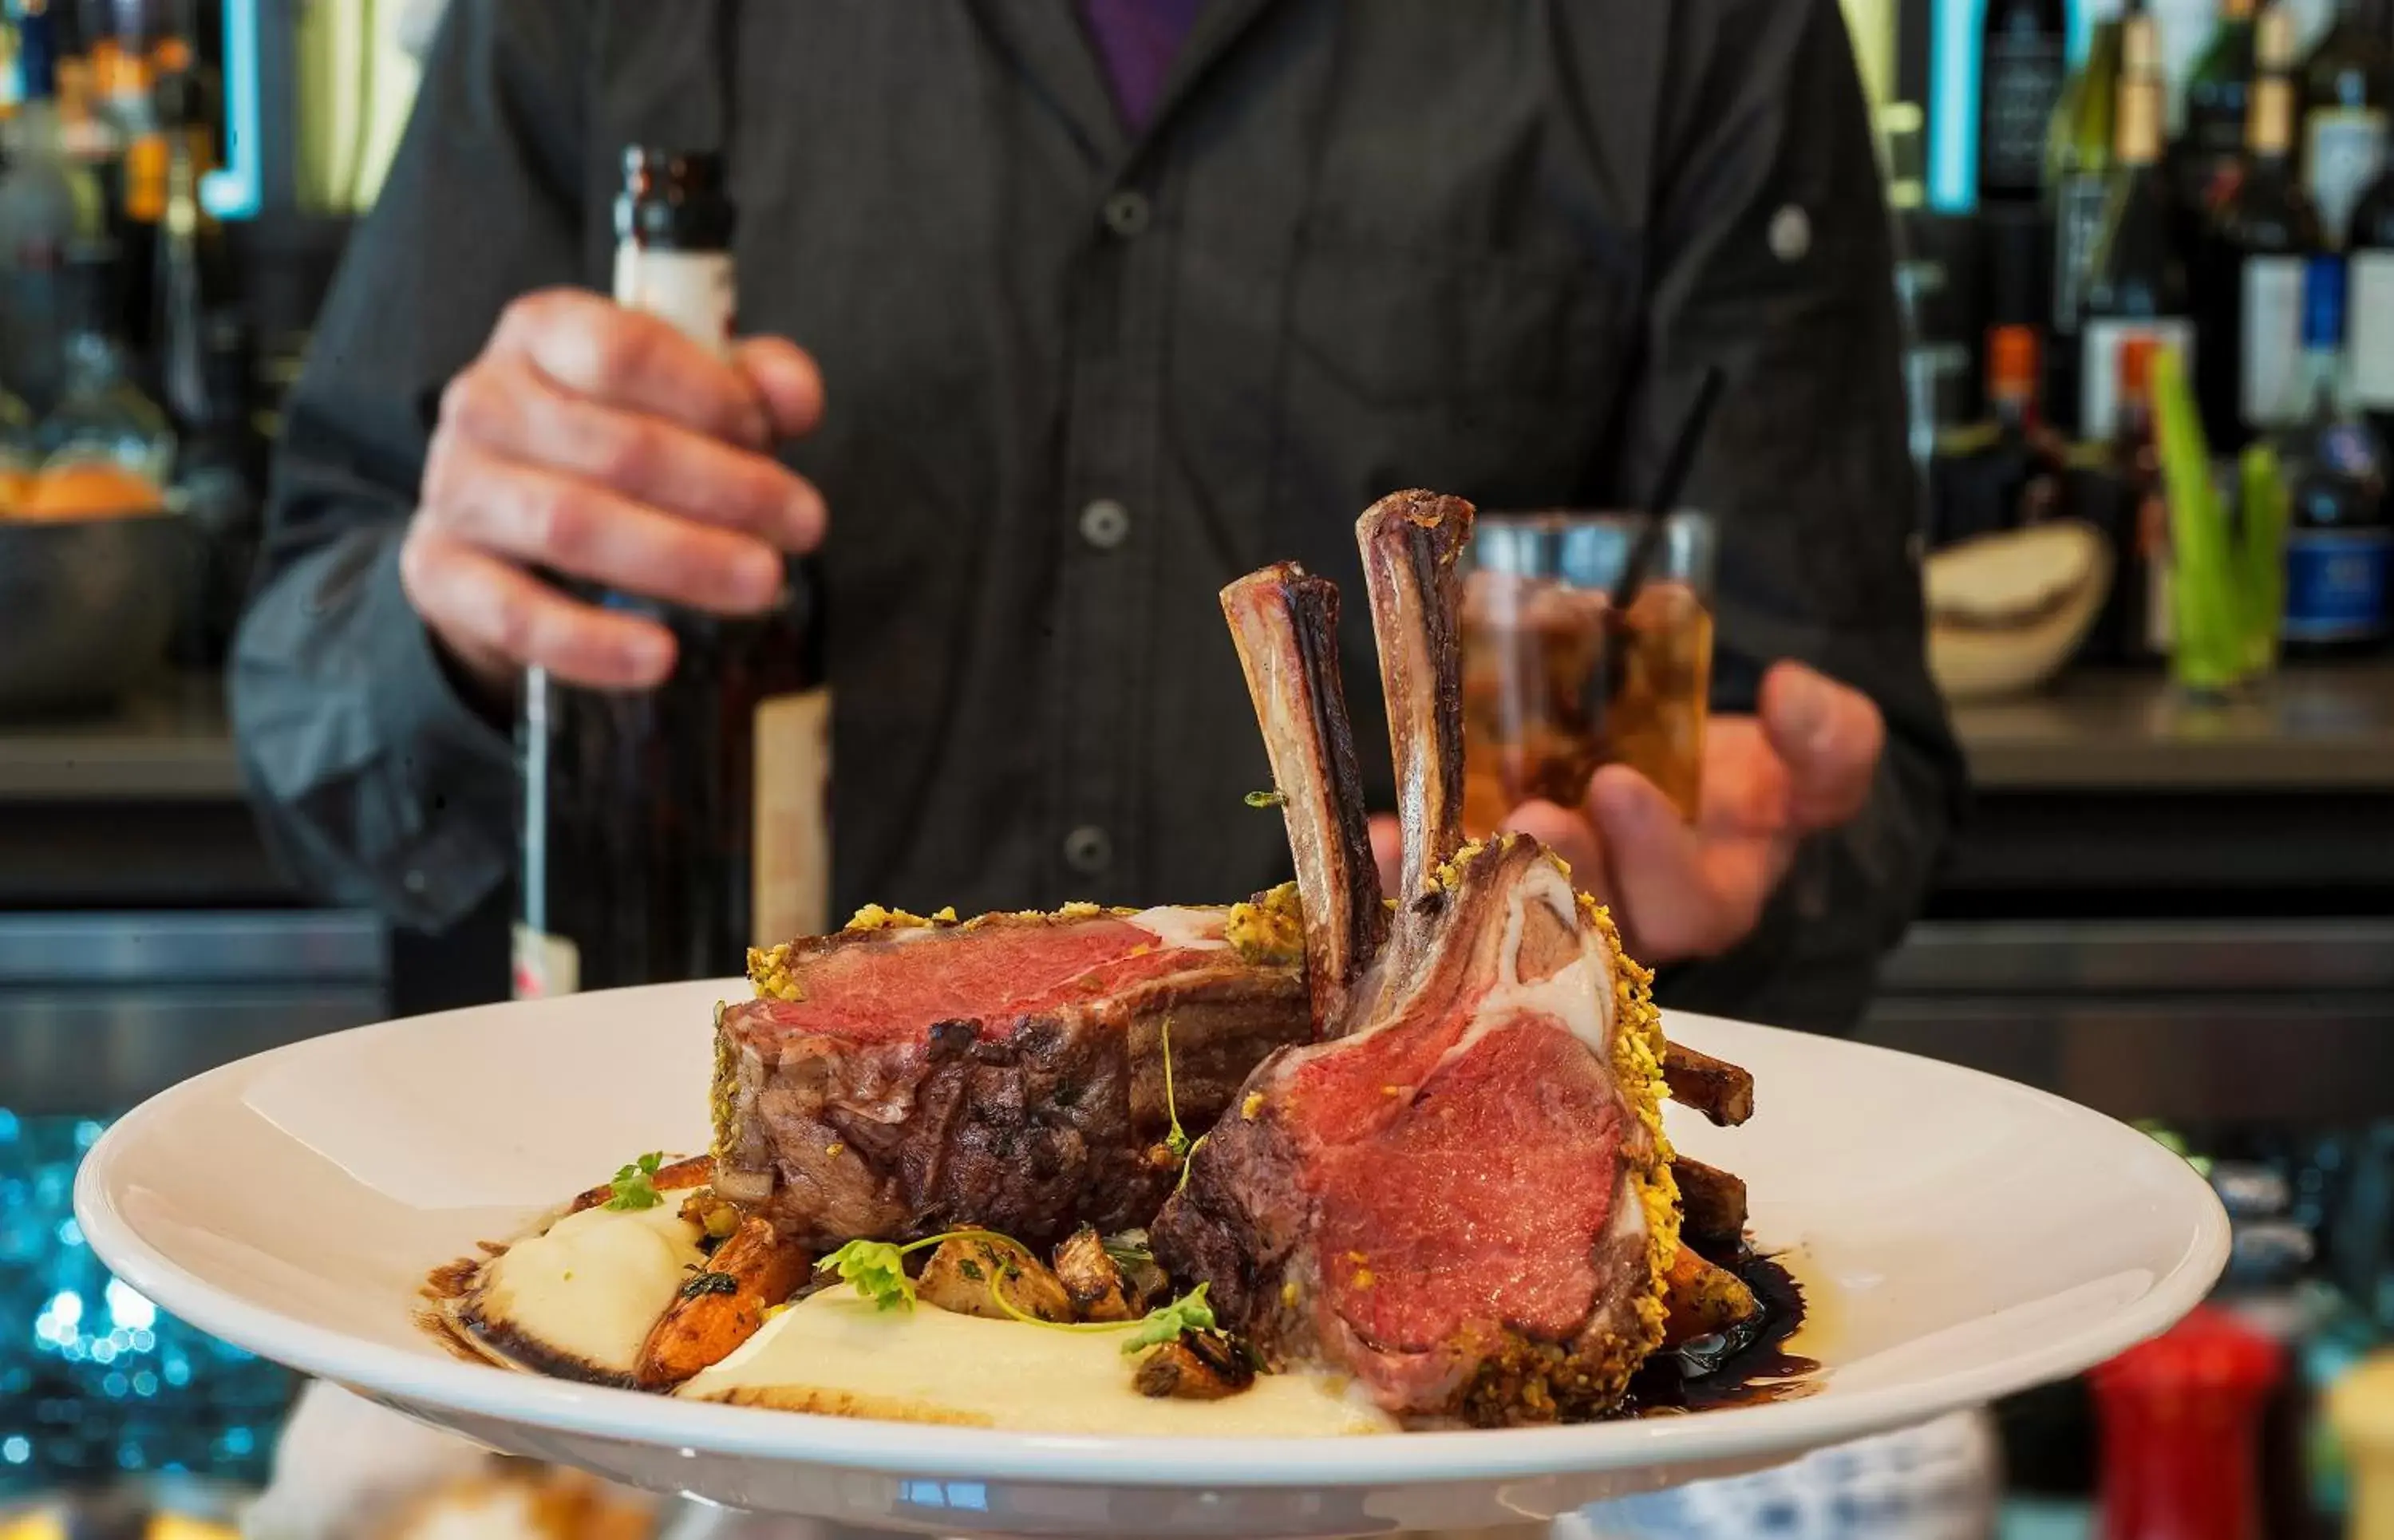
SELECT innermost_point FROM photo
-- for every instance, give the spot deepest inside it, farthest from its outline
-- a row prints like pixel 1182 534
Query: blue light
pixel 235 192
pixel 1954 27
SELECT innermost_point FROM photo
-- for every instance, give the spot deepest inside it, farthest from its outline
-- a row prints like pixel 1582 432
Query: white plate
pixel 1961 1237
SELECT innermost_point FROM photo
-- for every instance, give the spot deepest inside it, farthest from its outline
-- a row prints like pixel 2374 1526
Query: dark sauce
pixel 1745 1366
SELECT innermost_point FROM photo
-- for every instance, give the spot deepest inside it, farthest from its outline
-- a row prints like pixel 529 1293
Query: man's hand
pixel 1802 764
pixel 602 443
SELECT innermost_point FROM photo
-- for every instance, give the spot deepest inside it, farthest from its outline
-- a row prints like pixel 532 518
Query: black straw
pixel 1667 490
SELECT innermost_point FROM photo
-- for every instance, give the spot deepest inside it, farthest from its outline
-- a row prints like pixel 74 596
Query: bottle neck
pixel 2270 131
pixel 2138 133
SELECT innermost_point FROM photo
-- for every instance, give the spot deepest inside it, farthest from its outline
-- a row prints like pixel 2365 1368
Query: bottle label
pixel 2022 74
pixel 543 965
pixel 2337 584
pixel 2101 343
pixel 791 873
pixel 694 290
pixel 2343 147
pixel 2078 224
pixel 2370 313
pixel 2270 393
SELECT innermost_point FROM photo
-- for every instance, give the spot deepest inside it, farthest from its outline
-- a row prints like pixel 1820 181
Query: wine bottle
pixel 2144 614
pixel 2249 270
pixel 2339 540
pixel 2137 283
pixel 2022 70
pixel 2218 108
pixel 666 831
pixel 2347 81
pixel 2036 465
pixel 2370 304
pixel 2078 170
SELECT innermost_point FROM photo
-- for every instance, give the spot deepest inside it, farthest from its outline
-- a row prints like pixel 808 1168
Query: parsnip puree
pixel 591 1286
pixel 839 1353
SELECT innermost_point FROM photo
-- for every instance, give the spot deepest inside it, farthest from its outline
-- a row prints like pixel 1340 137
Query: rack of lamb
pixel 1460 1195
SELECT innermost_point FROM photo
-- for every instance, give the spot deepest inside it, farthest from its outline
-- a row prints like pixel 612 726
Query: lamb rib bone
pixel 1463 1198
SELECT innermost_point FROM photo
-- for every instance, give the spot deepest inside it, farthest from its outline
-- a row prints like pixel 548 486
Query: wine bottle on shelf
pixel 666 831
pixel 2037 482
pixel 2347 83
pixel 2338 537
pixel 2078 171
pixel 2137 280
pixel 2022 70
pixel 2369 309
pixel 2249 266
pixel 2209 154
pixel 2148 624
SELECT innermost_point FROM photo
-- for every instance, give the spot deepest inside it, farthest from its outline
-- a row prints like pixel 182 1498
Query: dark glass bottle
pixel 2347 83
pixel 2338 539
pixel 2137 287
pixel 2078 176
pixel 2218 110
pixel 2248 284
pixel 666 831
pixel 2370 305
pixel 2147 621
pixel 2022 48
pixel 2036 465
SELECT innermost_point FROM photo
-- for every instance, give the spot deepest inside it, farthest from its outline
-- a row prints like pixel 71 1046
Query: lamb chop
pixel 1462 1195
pixel 906 1075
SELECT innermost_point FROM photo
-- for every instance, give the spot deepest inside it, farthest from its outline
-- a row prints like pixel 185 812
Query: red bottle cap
pixel 2180 1420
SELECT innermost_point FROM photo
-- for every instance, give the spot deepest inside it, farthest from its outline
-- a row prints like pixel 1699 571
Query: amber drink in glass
pixel 1556 681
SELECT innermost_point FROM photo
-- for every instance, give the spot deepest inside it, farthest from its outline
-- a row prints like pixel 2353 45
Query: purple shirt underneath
pixel 1136 41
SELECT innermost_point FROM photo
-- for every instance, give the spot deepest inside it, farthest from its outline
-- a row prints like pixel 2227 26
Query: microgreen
pixel 634 1186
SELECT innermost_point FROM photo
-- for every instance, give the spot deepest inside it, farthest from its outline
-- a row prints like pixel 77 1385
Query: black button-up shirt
pixel 1079 378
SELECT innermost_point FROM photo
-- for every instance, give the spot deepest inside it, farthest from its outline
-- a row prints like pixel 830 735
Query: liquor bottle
pixel 666 831
pixel 2338 539
pixel 187 271
pixel 2078 171
pixel 47 204
pixel 2370 304
pixel 2137 283
pixel 2250 265
pixel 2022 48
pixel 2347 81
pixel 2035 481
pixel 103 421
pixel 2144 615
pixel 2218 107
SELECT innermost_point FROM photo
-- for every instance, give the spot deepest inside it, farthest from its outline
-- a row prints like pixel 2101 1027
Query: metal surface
pixel 169 740
pixel 2199 1021
pixel 99 1011
pixel 87 605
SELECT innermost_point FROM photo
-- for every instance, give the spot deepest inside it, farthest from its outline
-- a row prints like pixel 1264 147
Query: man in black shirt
pixel 1095 320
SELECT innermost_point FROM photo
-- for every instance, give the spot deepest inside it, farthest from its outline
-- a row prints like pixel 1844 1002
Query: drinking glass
pixel 1556 683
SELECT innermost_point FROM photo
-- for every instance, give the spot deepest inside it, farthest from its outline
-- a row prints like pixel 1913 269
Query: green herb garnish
pixel 634 1186
pixel 705 1283
pixel 1177 1140
pixel 1267 799
pixel 1165 1322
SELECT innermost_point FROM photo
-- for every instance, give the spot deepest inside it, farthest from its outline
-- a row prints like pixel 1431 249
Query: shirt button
pixel 1087 851
pixel 1105 523
pixel 1127 214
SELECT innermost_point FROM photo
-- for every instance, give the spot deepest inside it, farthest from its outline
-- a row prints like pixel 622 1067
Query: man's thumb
pixel 1829 736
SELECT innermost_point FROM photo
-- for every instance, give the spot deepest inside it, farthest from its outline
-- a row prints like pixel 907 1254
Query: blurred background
pixel 2174 899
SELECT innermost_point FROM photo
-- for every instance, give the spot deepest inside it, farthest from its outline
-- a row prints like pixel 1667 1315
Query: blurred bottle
pixel 2209 154
pixel 2181 1425
pixel 2036 462
pixel 2339 540
pixel 2249 265
pixel 2077 172
pixel 103 425
pixel 47 204
pixel 2347 81
pixel 188 271
pixel 2361 1408
pixel 2370 311
pixel 2136 282
pixel 2144 615
pixel 2022 48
